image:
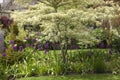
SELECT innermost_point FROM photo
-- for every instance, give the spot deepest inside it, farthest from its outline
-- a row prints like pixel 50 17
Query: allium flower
pixel 32 45
pixel 74 47
pixel 47 45
pixel 56 46
pixel 3 54
pixel 33 40
pixel 102 45
pixel 12 42
pixel 4 48
pixel 40 47
pixel 14 47
pixel 20 48
pixel 27 45
pixel 109 46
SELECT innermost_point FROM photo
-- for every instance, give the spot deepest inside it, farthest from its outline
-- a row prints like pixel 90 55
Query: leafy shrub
pixel 88 61
pixel 116 43
pixel 115 64
pixel 35 62
pixel 3 76
pixel 99 65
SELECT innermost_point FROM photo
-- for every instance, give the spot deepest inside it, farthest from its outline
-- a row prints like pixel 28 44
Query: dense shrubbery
pixel 35 63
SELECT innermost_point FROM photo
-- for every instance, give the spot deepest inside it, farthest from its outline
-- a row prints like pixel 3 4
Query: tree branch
pixel 63 3
pixel 45 2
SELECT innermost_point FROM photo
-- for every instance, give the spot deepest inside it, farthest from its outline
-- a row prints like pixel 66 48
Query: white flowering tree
pixel 56 26
pixel 62 25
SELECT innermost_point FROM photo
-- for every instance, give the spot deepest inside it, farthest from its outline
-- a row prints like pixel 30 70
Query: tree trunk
pixel 56 9
pixel 110 34
pixel 63 54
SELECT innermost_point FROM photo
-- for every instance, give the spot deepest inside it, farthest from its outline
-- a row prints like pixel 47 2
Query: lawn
pixel 76 77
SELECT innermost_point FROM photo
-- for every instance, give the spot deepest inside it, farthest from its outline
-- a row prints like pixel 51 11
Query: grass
pixel 76 77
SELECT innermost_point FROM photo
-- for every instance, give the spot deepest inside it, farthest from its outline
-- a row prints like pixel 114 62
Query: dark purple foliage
pixel 6 21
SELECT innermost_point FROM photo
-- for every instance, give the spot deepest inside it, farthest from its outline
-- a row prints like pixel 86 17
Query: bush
pixel 35 62
pixel 99 65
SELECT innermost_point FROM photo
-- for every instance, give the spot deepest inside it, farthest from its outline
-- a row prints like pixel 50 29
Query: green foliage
pixel 76 19
pixel 115 67
pixel 99 64
pixel 68 22
pixel 88 61
pixel 35 63
pixel 3 76
pixel 13 32
pixel 60 21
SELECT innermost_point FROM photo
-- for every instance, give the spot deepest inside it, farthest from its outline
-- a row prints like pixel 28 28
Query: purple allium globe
pixel 74 47
pixel 33 40
pixel 102 45
pixel 40 47
pixel 14 47
pixel 20 48
pixel 12 42
pixel 32 45
pixel 47 45
pixel 4 54
pixel 3 48
pixel 28 45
